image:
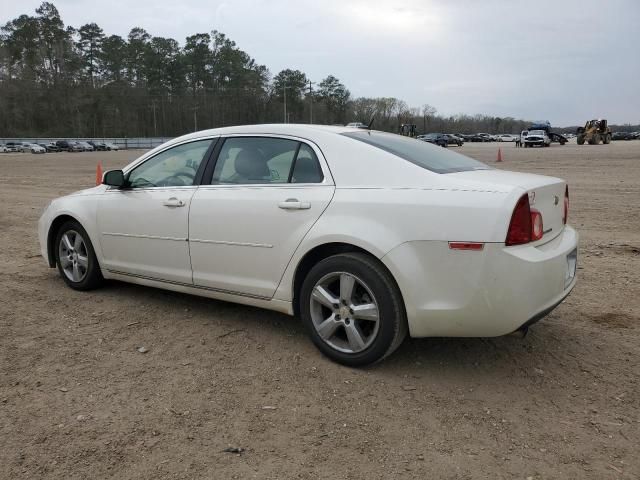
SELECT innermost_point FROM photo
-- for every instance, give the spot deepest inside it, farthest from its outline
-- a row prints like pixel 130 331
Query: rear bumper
pixel 481 293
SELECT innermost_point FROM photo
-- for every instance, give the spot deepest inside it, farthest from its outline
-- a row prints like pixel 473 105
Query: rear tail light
pixel 520 226
pixel 565 214
pixel 526 224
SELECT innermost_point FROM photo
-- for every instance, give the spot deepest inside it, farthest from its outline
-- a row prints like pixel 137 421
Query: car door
pixel 265 194
pixel 144 227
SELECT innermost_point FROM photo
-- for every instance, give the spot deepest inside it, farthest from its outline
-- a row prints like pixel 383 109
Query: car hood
pixel 87 191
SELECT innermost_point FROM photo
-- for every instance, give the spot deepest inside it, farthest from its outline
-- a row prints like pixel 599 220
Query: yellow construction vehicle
pixel 593 132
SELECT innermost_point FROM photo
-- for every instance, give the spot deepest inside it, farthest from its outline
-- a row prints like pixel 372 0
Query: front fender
pixel 80 207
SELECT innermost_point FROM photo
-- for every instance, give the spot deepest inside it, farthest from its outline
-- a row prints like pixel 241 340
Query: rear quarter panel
pixel 378 220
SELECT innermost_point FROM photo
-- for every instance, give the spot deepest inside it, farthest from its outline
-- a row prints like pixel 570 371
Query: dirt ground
pixel 77 400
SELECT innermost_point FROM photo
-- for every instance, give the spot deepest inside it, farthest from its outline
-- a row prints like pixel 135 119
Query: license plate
pixel 572 262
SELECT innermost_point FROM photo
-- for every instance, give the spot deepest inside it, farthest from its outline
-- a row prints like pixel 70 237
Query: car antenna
pixel 371 122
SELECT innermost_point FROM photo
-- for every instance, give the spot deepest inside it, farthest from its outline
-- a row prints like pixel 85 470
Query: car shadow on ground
pixel 433 356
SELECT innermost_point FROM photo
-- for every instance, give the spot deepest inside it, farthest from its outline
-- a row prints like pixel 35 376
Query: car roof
pixel 352 163
pixel 294 129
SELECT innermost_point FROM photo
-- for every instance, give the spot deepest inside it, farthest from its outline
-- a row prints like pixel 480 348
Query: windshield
pixel 536 132
pixel 425 155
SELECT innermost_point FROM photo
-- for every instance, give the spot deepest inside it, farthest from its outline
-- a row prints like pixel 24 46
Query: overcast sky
pixel 565 61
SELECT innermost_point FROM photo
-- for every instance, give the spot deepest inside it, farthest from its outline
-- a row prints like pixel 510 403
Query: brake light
pixel 520 226
pixel 565 215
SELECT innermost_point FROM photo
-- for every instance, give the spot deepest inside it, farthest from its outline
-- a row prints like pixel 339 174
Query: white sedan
pixel 33 148
pixel 364 235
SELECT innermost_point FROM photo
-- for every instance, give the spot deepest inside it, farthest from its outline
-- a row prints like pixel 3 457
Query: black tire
pixel 392 321
pixel 93 277
pixel 580 140
pixel 607 139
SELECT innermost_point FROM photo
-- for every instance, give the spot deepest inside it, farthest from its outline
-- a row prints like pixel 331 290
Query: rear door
pixel 264 195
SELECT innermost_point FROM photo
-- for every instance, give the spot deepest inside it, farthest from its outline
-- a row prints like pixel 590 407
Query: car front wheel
pixel 76 259
pixel 353 309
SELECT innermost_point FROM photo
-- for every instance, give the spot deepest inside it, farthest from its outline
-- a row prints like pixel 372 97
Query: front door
pixel 144 227
pixel 265 195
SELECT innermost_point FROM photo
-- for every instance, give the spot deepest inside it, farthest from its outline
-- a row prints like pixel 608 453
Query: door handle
pixel 173 202
pixel 294 204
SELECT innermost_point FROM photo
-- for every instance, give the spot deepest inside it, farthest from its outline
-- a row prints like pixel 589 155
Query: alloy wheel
pixel 344 312
pixel 73 255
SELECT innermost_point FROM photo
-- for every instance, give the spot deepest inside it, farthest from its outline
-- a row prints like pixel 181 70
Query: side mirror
pixel 114 178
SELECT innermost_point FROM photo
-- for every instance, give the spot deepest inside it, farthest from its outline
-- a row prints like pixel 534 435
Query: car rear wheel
pixel 75 257
pixel 353 309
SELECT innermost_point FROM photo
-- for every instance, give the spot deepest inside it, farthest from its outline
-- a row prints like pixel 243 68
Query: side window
pixel 175 167
pixel 255 160
pixel 266 160
pixel 307 168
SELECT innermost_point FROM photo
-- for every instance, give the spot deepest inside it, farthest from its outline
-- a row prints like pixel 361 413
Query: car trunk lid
pixel 546 194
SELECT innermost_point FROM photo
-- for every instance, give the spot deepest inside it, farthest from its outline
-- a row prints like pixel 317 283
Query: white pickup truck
pixel 531 138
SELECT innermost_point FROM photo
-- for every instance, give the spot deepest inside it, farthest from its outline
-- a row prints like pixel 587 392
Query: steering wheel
pixel 178 180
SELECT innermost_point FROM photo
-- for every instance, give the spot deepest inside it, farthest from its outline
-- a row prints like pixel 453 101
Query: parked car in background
pixel 436 138
pixel 86 146
pixel 111 146
pixel 33 148
pixel 357 125
pixel 469 137
pixel 365 236
pixel 50 147
pixel 4 149
pixel 507 137
pixel 622 136
pixel 536 138
pixel 14 147
pixel 77 147
pixel 486 137
pixel 453 139
pixel 98 146
pixel 64 145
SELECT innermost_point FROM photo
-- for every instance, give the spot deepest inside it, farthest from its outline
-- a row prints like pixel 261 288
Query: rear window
pixel 425 155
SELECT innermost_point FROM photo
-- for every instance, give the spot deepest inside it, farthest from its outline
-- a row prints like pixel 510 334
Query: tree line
pixel 57 80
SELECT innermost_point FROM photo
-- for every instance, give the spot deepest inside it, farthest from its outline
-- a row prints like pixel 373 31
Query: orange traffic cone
pixel 99 174
pixel 499 159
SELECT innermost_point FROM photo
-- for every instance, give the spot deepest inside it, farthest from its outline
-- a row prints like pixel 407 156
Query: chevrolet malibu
pixel 365 235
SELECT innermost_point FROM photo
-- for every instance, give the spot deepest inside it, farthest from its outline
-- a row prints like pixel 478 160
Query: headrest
pixel 251 164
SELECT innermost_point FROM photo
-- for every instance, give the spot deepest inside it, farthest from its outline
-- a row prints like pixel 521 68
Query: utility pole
pixel 284 89
pixel 310 102
pixel 155 124
pixel 195 119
